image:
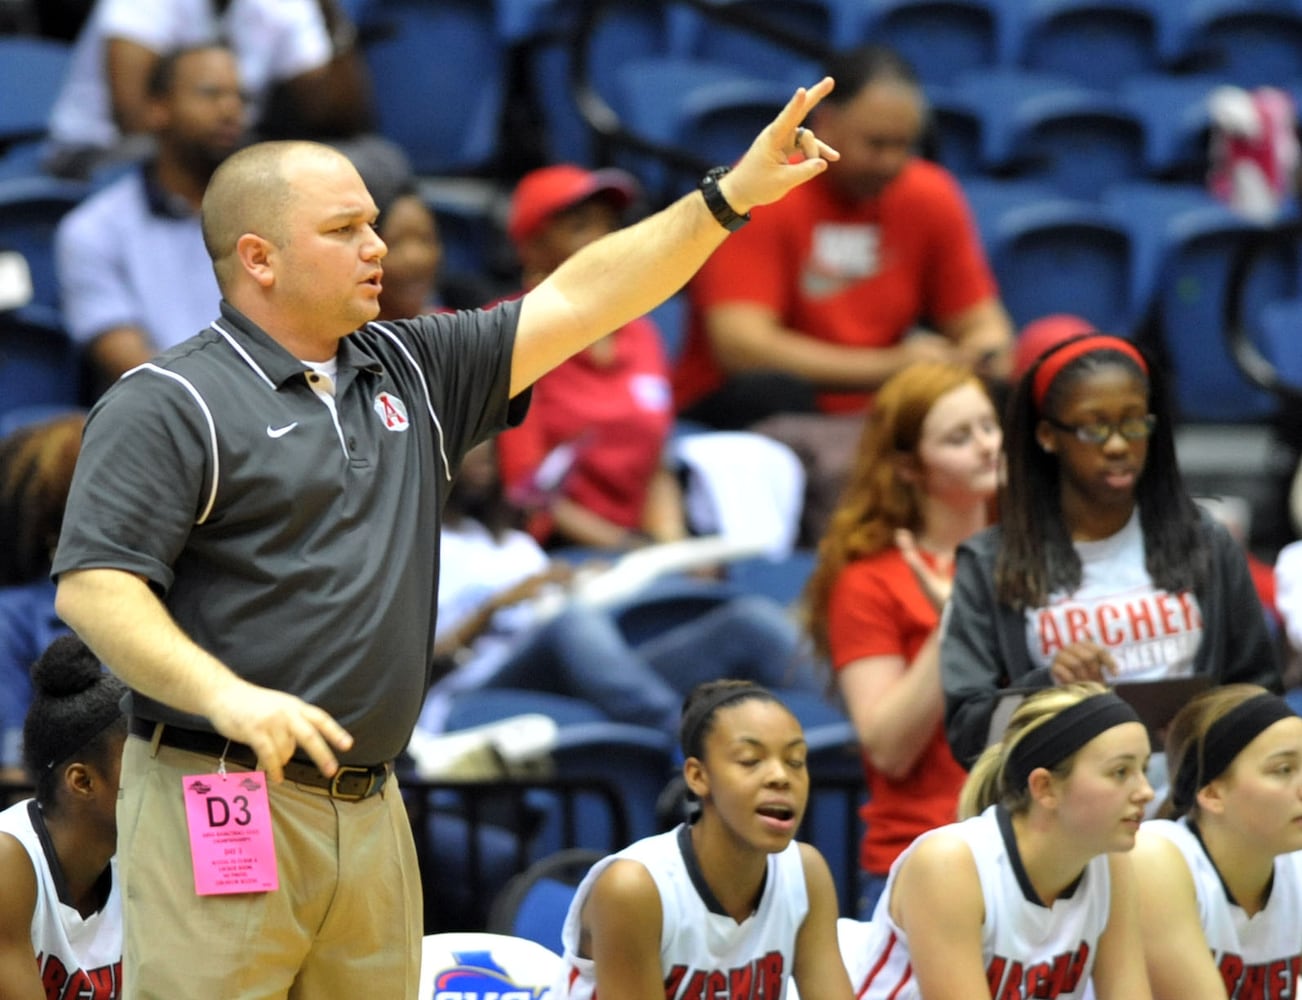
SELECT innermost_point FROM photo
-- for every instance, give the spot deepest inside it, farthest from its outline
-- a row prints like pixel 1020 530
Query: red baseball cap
pixel 1039 335
pixel 543 192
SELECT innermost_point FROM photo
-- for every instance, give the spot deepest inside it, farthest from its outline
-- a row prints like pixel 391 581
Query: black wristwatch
pixel 723 213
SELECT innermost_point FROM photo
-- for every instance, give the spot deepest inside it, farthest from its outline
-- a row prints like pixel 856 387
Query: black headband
pixel 1061 736
pixel 1224 740
pixel 707 706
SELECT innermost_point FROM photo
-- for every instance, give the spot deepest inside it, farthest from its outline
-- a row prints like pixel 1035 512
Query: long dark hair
pixel 1036 557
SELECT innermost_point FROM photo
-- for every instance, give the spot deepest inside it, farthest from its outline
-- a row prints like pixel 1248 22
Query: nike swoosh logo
pixel 277 432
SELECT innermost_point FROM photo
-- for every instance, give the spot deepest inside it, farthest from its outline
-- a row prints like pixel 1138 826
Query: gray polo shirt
pixel 296 541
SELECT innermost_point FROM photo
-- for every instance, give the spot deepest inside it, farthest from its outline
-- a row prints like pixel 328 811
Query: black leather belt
pixel 350 783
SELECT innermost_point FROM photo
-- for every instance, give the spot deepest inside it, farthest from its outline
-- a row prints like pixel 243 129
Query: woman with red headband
pixel 1102 567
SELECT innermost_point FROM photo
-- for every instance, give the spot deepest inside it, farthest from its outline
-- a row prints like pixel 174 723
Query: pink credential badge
pixel 231 843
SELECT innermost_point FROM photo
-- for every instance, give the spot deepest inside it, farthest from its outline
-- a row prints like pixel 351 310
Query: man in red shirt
pixel 587 462
pixel 875 264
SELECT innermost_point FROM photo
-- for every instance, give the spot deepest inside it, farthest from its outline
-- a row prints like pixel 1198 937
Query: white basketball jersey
pixel 704 953
pixel 77 956
pixel 1258 956
pixel 1028 949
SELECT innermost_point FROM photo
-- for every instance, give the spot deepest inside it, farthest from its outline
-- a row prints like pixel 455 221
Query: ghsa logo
pixel 392 411
pixel 476 976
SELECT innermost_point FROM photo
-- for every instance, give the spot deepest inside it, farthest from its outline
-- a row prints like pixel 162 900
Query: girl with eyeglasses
pixel 1102 568
pixel 1220 875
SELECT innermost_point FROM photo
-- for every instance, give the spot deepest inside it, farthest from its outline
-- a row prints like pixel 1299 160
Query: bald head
pixel 252 192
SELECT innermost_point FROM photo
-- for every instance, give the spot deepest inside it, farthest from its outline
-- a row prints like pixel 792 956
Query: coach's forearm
pixel 610 282
pixel 123 621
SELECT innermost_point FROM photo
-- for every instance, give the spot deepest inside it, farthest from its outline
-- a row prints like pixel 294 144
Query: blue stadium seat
pixel 1176 122
pixel 942 39
pixel 1096 42
pixel 1186 244
pixel 781 579
pixel 671 318
pixel 533 904
pixel 704 108
pixel 1249 42
pixel 955 131
pixel 30 210
pixel 484 705
pixel 665 603
pixel 31 73
pixel 1053 254
pixel 837 792
pixel 524 21
pixel 39 370
pixel 439 73
pixel 625 30
pixel 1047 126
pixel 808 23
pixel 636 759
pixel 1275 333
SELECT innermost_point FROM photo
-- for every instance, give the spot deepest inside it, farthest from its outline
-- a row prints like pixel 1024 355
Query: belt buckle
pixel 344 769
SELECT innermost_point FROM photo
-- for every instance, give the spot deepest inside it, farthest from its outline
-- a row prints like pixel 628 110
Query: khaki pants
pixel 346 921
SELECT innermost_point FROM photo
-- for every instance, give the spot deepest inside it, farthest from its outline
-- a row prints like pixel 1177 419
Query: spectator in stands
pixel 36 465
pixel 415 280
pixel 811 308
pixel 1288 604
pixel 730 904
pixel 1102 567
pixel 1030 893
pixel 415 258
pixel 925 476
pixel 609 404
pixel 297 63
pixel 605 415
pixel 134 274
pixel 504 620
pixel 1043 334
pixel 61 922
pixel 1220 874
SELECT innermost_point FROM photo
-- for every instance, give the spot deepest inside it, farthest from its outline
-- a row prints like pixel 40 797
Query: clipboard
pixel 1155 702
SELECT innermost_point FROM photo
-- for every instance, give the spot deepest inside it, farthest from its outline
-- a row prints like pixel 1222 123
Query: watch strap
pixel 724 214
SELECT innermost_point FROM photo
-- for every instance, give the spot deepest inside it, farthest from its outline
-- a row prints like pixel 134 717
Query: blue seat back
pixel 940 38
pixel 439 75
pixel 1096 42
pixel 30 210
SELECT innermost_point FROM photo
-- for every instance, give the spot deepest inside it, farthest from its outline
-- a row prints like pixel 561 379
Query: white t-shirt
pixel 273 40
pixel 473 567
pixel 1151 633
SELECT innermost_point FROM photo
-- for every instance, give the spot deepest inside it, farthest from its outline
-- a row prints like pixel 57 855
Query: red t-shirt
pixel 858 274
pixel 878 609
pixel 616 414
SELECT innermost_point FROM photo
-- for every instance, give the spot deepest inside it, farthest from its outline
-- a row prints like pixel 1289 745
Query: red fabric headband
pixel 1055 361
